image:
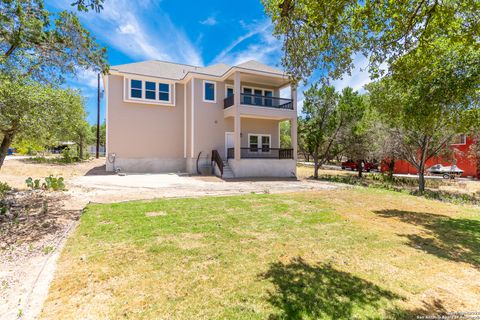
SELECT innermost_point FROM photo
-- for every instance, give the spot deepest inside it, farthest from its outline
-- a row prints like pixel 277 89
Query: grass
pixel 436 189
pixel 343 254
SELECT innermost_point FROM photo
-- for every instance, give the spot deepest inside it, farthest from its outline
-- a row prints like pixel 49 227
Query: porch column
pixel 293 123
pixel 237 123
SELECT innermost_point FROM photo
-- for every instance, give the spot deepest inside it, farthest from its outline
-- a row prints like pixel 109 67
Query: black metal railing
pixel 218 160
pixel 260 101
pixel 228 102
pixel 261 153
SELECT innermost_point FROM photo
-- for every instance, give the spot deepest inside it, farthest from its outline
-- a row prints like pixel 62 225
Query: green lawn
pixel 335 255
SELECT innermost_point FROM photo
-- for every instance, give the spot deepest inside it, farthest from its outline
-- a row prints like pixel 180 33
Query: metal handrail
pixel 260 101
pixel 261 153
pixel 218 160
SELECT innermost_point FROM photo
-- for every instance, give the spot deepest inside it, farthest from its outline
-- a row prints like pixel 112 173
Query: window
pixel 229 92
pixel 136 89
pixel 259 142
pixel 268 102
pixel 163 92
pixel 459 139
pixel 209 91
pixel 258 97
pixel 265 143
pixel 253 143
pixel 247 99
pixel 150 90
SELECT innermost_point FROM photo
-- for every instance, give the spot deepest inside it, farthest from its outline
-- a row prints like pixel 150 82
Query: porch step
pixel 227 171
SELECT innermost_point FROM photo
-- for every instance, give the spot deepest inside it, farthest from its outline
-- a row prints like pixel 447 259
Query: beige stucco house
pixel 168 117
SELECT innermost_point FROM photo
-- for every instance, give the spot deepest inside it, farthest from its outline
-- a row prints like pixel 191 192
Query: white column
pixel 293 123
pixel 237 123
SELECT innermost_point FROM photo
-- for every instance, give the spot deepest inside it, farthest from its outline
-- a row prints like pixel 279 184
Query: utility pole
pixel 98 118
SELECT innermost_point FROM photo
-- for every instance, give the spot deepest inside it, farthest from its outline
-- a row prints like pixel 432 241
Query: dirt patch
pixel 156 214
pixel 15 172
pixel 33 227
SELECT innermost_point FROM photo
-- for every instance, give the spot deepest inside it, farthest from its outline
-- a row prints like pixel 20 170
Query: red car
pixel 352 165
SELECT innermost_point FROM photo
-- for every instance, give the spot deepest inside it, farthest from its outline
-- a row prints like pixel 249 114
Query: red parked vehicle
pixel 352 165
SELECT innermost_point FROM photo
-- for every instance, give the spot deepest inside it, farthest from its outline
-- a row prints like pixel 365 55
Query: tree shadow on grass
pixel 445 237
pixel 305 291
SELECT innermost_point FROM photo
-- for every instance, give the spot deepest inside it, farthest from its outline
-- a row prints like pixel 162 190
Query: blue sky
pixel 192 32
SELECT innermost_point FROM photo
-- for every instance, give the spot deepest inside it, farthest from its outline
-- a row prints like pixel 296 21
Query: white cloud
pixel 141 31
pixel 87 78
pixel 359 76
pixel 263 46
pixel 210 21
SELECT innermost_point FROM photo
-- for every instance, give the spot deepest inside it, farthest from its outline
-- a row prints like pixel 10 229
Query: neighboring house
pixel 463 159
pixel 168 117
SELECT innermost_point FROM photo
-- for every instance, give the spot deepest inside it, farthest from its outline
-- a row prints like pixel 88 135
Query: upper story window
pixel 163 92
pixel 209 89
pixel 136 89
pixel 257 96
pixel 229 92
pixel 150 91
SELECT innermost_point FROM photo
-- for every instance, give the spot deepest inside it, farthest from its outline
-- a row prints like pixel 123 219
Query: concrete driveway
pixel 114 188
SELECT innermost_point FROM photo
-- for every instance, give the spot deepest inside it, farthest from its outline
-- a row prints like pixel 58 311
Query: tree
pixel 103 133
pixel 38 55
pixel 302 138
pixel 356 135
pixel 385 143
pixel 427 103
pixel 85 5
pixel 35 112
pixel 325 35
pixel 33 47
pixel 320 128
pixel 328 117
pixel 285 138
pixel 76 128
pixel 82 136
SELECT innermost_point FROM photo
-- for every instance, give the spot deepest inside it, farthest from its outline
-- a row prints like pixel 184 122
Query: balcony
pixel 260 101
pixel 261 153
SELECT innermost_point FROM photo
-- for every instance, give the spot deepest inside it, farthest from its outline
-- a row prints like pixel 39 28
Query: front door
pixel 229 142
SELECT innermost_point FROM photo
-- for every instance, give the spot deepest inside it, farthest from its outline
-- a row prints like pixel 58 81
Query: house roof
pixel 177 71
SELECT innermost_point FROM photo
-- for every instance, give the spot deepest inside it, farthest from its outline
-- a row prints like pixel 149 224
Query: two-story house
pixel 169 117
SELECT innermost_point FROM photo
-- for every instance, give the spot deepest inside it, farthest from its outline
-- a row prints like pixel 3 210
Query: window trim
pixel 158 91
pixel 127 96
pixel 260 144
pixel 229 86
pixel 214 91
pixel 144 90
pixel 464 141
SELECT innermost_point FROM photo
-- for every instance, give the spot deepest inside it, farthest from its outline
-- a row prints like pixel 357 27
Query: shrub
pixel 402 184
pixel 69 155
pixel 51 183
pixel 39 159
pixel 4 187
pixel 54 183
pixel 33 184
pixel 27 148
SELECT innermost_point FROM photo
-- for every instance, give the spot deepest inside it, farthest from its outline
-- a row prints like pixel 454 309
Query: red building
pixel 463 156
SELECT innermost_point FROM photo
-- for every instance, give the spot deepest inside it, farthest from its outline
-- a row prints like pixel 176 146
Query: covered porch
pixel 243 108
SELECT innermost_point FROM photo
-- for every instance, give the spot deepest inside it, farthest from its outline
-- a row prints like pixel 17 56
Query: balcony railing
pixel 260 101
pixel 261 153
